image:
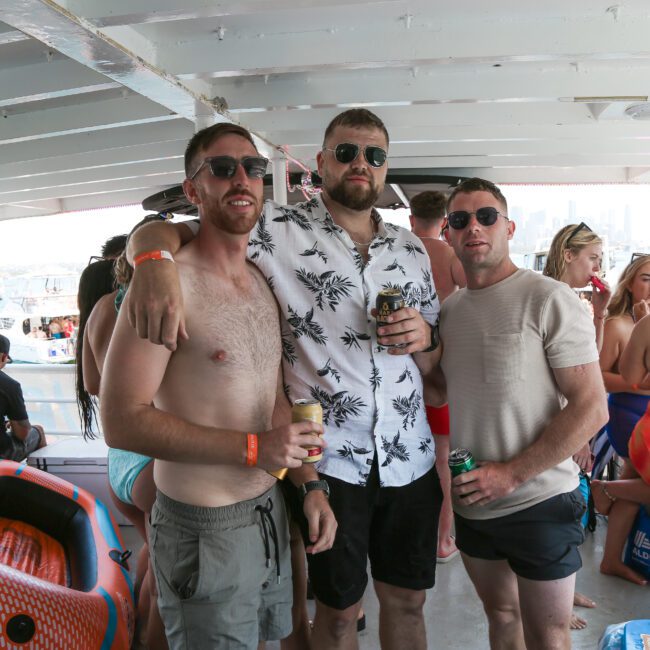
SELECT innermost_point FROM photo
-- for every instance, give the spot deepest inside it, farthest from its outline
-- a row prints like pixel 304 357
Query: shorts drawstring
pixel 269 530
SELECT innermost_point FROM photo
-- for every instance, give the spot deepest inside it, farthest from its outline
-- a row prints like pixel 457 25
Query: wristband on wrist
pixel 152 255
pixel 251 449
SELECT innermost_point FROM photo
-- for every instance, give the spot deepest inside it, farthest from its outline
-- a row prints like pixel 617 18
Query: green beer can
pixel 460 461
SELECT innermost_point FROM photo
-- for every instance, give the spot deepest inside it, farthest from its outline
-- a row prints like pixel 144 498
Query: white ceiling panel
pixel 98 99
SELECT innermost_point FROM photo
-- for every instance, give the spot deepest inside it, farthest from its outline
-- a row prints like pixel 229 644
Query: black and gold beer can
pixel 388 301
pixel 311 410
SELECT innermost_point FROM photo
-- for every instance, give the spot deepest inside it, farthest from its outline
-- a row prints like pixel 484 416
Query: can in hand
pixel 311 410
pixel 389 301
pixel 460 461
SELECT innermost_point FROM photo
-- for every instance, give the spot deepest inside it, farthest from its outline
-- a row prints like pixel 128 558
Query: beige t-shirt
pixel 500 345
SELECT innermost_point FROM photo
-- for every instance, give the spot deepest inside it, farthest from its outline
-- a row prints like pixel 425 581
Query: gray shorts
pixel 18 450
pixel 223 574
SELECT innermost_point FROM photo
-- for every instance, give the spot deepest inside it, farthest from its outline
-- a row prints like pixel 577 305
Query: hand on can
pixel 285 446
pixel 480 486
pixel 404 327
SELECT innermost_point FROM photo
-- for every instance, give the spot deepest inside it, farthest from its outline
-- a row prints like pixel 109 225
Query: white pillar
pixel 279 171
pixel 204 116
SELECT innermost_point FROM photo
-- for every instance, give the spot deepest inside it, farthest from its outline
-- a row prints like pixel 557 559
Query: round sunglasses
pixel 226 166
pixel 485 216
pixel 346 152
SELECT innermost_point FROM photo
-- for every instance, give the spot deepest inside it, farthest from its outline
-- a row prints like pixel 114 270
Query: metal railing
pixel 50 398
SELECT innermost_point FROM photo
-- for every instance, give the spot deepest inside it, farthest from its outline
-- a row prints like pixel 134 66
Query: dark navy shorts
pixel 539 543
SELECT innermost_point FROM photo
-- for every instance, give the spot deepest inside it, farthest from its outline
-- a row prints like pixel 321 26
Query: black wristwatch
pixel 309 486
pixel 435 339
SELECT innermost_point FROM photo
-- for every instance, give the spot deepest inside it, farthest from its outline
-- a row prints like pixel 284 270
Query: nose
pixel 473 223
pixel 359 161
pixel 240 177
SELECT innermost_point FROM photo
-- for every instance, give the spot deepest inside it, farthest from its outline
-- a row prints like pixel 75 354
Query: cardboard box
pixel 82 463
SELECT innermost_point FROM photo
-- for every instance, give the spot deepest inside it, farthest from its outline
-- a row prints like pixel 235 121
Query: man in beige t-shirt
pixel 525 393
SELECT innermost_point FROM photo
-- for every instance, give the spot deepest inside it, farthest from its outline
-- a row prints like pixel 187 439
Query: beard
pixel 229 221
pixel 354 198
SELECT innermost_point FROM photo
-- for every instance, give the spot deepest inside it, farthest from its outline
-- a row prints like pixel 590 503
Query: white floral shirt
pixel 372 401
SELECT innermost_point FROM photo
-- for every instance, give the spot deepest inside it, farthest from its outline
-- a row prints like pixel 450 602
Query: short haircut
pixel 357 118
pixel 204 138
pixel 470 185
pixel 113 247
pixel 429 206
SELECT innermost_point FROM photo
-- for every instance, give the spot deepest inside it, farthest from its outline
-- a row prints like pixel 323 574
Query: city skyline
pixel 618 212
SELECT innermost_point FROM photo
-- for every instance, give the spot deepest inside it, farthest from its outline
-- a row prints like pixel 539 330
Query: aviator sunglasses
pixel 226 166
pixel 485 216
pixel 346 152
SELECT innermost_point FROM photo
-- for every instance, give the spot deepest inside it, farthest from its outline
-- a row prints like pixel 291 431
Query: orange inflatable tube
pixel 64 579
pixel 639 447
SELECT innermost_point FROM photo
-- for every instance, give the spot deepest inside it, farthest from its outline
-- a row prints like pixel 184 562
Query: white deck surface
pixel 455 618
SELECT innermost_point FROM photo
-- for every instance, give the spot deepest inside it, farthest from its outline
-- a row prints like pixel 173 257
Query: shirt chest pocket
pixel 503 358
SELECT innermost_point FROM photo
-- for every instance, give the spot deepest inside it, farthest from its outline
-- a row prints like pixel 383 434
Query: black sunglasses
pixel 636 256
pixel 485 216
pixel 226 166
pixel 581 226
pixel 346 152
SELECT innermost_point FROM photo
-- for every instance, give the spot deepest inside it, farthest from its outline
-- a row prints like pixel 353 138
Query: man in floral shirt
pixel 326 260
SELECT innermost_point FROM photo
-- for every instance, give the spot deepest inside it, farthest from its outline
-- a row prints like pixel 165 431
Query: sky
pixel 74 237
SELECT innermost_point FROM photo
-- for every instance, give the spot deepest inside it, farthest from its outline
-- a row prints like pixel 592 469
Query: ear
pixel 568 255
pixel 190 191
pixel 411 221
pixel 319 163
pixel 511 229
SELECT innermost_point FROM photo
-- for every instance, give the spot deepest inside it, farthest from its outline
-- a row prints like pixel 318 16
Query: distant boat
pixel 29 304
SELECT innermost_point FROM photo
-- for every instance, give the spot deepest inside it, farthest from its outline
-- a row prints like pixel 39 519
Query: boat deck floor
pixel 455 619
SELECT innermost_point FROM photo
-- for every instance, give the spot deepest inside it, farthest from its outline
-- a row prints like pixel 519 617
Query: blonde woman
pixel 575 259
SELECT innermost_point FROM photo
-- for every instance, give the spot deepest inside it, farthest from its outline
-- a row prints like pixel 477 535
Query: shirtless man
pixel 428 210
pixel 219 534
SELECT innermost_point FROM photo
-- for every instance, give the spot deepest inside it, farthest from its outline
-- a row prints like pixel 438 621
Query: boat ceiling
pixel 98 98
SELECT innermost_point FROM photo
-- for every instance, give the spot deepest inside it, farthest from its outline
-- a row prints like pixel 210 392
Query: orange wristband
pixel 251 449
pixel 152 255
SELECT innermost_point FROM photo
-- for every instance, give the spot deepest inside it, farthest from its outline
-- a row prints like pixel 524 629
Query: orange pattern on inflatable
pixel 32 551
pixel 57 617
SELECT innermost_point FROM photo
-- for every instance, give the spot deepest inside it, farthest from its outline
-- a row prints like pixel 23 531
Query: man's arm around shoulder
pixel 154 303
